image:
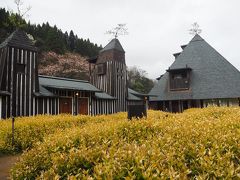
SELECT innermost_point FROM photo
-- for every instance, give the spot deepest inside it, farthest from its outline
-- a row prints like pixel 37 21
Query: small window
pixel 20 68
pixel 101 69
pixel 179 80
pixel 181 75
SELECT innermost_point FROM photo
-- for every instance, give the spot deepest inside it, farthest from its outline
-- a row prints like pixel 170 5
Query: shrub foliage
pixel 29 130
pixel 199 143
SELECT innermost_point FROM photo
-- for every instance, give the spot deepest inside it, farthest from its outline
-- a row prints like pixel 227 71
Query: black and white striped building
pixel 25 93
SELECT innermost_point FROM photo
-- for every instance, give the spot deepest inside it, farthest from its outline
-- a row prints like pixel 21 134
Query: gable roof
pixel 113 44
pixel 19 39
pixel 136 96
pixel 66 83
pixel 211 76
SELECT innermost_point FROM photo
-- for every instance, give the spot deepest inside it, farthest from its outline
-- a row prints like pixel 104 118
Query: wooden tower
pixel 108 73
pixel 18 75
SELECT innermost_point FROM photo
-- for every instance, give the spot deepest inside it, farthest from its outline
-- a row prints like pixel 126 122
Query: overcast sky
pixel 156 28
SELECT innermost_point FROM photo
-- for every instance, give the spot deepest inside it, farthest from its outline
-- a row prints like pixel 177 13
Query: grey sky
pixel 156 28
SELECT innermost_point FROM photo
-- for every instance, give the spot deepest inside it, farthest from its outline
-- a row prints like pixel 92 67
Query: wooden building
pixel 198 77
pixel 23 92
pixel 18 75
pixel 63 95
pixel 108 72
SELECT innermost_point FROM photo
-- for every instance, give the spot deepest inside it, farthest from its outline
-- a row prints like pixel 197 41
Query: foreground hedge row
pixel 199 143
pixel 30 130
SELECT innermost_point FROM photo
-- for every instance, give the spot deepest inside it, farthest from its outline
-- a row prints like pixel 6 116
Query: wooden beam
pixel 0 107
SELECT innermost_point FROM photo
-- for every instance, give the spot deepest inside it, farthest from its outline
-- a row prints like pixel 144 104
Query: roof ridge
pixel 63 78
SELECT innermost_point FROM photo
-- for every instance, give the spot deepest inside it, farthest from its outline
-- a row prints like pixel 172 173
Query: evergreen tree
pixel 71 41
pixel 54 42
pixel 66 42
pixel 47 38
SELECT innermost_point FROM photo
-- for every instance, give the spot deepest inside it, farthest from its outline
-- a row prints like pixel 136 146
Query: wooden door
pixel 83 106
pixel 65 105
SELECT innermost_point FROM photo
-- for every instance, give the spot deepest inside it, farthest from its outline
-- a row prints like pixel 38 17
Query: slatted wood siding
pixel 114 83
pixel 0 107
pixel 19 79
pixel 3 81
pixel 102 106
pixel 51 105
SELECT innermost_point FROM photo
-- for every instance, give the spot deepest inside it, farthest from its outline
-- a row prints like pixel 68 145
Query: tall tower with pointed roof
pixel 18 75
pixel 108 72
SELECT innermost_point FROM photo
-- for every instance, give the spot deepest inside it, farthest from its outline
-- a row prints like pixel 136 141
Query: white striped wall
pixel 25 84
pixel 102 106
pixel 50 105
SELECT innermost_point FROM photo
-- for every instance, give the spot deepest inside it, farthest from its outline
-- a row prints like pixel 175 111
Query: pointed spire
pixel 113 44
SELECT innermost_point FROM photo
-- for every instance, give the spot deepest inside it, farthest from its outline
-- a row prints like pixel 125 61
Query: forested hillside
pixel 64 54
pixel 47 37
pixel 60 53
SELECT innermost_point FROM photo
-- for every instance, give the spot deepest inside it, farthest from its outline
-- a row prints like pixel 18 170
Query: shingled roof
pixel 113 44
pixel 66 83
pixel 19 39
pixel 211 76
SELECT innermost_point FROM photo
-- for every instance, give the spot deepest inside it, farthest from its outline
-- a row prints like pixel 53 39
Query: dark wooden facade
pixel 64 101
pixel 179 79
pixel 23 92
pixel 103 106
pixel 177 106
pixel 109 73
pixel 20 93
pixel 18 76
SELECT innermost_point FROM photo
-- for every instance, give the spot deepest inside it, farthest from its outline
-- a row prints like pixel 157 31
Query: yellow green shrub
pixel 199 143
pixel 29 130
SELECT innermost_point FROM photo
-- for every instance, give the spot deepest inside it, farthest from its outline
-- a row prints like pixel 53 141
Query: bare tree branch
pixel 119 30
pixel 20 10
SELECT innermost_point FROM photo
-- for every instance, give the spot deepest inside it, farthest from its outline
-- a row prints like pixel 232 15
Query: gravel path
pixel 6 162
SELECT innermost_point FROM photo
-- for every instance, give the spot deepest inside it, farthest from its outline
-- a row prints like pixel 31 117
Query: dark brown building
pixel 25 93
pixel 108 72
pixel 18 75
